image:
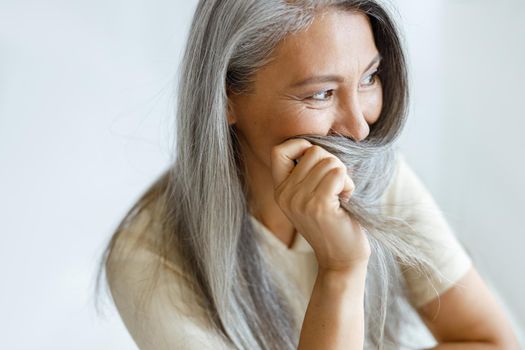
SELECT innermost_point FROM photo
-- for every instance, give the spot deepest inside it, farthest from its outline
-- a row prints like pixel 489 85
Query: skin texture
pixel 466 316
pixel 337 43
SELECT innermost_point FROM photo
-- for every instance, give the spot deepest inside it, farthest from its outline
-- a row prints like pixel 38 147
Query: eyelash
pixel 373 77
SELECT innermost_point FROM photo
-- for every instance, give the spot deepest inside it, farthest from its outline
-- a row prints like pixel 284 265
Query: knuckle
pixel 338 161
pixel 333 162
pixel 305 142
pixel 338 171
pixel 315 150
pixel 330 161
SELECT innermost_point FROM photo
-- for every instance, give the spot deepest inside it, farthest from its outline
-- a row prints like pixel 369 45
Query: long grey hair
pixel 206 217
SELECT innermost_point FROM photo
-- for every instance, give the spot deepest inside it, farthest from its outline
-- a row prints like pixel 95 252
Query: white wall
pixel 452 59
pixel 85 125
pixel 85 109
pixel 465 133
pixel 484 138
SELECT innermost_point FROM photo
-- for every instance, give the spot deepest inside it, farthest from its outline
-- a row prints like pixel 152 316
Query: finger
pixel 309 160
pixel 335 183
pixel 348 188
pixel 317 173
pixel 283 156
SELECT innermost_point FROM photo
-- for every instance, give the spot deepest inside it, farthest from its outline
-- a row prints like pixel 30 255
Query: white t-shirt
pixel 176 319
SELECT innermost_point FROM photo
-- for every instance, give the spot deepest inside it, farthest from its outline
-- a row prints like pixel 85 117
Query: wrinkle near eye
pixel 299 108
pixel 289 97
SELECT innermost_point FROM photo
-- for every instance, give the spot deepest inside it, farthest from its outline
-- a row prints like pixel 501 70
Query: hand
pixel 308 194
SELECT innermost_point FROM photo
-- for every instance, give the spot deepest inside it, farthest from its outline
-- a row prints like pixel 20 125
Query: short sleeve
pixel 160 315
pixel 408 199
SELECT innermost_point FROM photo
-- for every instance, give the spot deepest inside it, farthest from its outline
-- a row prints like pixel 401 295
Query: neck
pixel 262 204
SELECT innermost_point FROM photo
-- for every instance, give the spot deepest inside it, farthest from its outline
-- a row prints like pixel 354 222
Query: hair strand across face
pixel 205 213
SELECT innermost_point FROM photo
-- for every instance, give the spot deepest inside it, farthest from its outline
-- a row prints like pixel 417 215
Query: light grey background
pixel 86 122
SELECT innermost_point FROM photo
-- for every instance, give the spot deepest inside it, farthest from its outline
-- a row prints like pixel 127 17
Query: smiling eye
pixel 321 95
pixel 370 79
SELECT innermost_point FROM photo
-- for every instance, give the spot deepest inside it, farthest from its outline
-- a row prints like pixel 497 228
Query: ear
pixel 232 119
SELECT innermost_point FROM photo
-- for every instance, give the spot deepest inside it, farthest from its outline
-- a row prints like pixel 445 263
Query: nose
pixel 351 121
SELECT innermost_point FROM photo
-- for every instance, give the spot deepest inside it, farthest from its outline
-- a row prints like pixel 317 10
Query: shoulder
pixel 138 231
pixel 139 259
pixel 407 198
pixel 403 178
pixel 153 294
pixel 406 193
pixel 140 237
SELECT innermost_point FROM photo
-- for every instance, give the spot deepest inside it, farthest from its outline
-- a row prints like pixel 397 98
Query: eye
pixel 321 95
pixel 370 79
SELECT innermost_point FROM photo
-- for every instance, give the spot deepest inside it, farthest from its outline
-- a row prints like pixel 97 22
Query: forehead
pixel 336 40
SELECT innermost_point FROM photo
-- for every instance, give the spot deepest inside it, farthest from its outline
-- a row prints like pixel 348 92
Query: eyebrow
pixel 331 77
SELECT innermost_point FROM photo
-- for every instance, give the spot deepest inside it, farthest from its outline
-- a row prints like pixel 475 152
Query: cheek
pixel 291 119
pixel 265 126
pixel 372 104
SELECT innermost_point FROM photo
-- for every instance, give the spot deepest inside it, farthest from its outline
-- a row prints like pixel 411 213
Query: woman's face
pixel 321 81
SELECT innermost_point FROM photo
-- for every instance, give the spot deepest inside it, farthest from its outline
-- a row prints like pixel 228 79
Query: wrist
pixel 352 277
pixel 355 268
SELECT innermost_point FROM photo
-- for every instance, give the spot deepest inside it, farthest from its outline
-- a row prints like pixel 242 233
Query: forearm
pixel 334 318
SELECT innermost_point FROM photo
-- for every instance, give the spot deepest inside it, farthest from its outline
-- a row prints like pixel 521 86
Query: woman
pixel 287 219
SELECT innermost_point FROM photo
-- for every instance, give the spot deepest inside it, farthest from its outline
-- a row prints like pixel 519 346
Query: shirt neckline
pixel 299 244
